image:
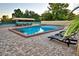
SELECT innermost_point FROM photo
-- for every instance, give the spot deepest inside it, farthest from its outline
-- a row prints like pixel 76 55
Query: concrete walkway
pixel 12 44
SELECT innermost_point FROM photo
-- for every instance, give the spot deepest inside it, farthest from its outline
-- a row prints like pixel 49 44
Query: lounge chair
pixel 60 37
pixel 71 39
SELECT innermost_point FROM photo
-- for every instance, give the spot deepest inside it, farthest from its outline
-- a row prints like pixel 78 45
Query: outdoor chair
pixel 66 39
pixel 60 37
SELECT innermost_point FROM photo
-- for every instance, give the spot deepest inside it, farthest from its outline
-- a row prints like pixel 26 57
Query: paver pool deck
pixel 12 44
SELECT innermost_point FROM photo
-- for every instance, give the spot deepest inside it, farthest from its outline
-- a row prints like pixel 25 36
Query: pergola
pixel 23 21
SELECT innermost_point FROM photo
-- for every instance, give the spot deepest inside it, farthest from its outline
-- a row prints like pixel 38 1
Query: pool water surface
pixel 37 29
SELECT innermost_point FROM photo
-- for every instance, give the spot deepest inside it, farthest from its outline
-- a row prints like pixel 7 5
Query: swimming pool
pixel 35 30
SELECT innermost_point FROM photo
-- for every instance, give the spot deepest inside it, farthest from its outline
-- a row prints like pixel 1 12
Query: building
pixel 23 21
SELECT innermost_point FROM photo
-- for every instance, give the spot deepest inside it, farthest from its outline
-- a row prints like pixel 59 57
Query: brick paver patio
pixel 12 44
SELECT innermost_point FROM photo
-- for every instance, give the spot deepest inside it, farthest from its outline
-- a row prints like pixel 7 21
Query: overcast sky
pixel 8 8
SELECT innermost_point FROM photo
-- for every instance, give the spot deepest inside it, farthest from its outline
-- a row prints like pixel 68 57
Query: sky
pixel 8 8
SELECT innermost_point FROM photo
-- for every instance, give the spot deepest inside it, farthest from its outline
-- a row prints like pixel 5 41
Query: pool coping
pixel 27 36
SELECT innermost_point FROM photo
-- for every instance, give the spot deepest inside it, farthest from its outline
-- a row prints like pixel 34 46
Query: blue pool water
pixel 37 29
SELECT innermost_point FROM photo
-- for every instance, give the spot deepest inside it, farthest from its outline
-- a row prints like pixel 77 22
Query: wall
pixel 56 22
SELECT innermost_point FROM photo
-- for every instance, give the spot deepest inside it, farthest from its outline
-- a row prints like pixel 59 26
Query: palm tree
pixel 75 9
pixel 74 25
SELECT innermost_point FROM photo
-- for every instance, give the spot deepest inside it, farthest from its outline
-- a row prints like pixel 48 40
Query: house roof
pixel 23 19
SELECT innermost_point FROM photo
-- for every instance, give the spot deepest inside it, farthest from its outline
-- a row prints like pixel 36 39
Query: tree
pixel 26 14
pixel 17 13
pixel 30 14
pixel 46 16
pixel 34 15
pixel 71 15
pixel 74 25
pixel 6 19
pixel 59 11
